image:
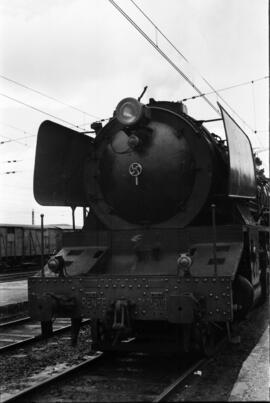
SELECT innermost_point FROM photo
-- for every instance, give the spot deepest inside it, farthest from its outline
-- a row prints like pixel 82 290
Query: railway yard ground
pixel 238 372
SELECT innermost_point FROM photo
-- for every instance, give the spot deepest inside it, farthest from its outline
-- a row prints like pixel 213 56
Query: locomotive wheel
pixel 265 283
pixel 243 295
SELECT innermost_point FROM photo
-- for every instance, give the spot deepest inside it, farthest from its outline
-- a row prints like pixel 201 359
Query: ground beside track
pixel 13 292
pixel 216 381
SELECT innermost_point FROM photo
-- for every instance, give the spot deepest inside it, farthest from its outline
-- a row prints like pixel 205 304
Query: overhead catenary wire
pixel 163 54
pixel 39 110
pixel 15 128
pixel 15 160
pixel 9 172
pixel 232 87
pixel 254 107
pixel 17 140
pixel 263 150
pixel 158 30
pixel 181 54
pixel 15 172
pixel 10 161
pixel 47 96
pixel 227 88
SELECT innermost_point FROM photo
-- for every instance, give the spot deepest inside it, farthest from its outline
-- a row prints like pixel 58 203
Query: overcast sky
pixel 86 54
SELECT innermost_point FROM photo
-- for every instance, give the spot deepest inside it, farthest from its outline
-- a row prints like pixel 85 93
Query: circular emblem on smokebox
pixel 135 169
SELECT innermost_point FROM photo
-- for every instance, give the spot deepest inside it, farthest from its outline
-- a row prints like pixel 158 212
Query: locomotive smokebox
pixel 149 182
pixel 148 162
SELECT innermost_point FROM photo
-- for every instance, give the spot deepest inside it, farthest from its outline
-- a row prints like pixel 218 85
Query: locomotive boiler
pixel 175 244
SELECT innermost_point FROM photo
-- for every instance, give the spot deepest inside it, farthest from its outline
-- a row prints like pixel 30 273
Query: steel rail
pixel 35 388
pixel 10 277
pixel 166 392
pixel 35 338
pixel 15 322
pixel 199 364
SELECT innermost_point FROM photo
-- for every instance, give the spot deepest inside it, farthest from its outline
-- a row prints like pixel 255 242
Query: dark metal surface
pixel 173 182
pixel 59 165
pixel 242 169
pixel 149 294
pixel 165 163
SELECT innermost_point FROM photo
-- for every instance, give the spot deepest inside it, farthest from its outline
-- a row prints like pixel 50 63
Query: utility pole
pixel 42 245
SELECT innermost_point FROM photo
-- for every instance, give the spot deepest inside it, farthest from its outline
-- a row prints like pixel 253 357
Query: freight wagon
pixel 20 245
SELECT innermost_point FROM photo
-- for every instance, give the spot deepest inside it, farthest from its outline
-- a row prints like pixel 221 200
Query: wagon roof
pixel 53 226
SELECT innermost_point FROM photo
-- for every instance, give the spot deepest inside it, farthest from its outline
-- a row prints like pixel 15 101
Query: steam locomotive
pixel 176 241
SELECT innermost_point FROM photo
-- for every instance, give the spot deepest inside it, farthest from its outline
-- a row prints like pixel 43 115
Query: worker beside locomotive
pixel 175 243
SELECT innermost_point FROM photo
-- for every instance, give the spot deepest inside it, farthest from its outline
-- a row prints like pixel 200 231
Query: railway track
pixel 18 333
pixel 93 365
pixel 15 276
pixel 137 377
